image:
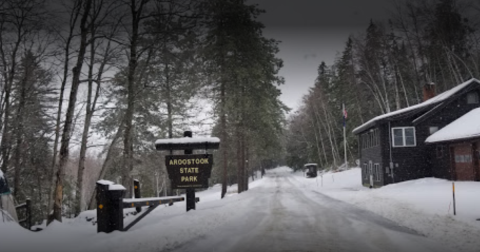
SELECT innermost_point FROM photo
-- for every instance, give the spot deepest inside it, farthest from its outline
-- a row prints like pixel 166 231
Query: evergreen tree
pixel 243 67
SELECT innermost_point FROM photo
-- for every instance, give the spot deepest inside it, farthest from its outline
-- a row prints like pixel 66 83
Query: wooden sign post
pixel 188 171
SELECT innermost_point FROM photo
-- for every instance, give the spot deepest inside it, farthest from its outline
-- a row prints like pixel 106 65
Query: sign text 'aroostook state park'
pixel 189 171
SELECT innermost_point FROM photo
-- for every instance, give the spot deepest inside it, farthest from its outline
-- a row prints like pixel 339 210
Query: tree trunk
pixel 170 118
pixel 319 130
pixel 9 74
pixel 239 162
pixel 90 109
pixel 131 90
pixel 73 21
pixel 223 129
pixel 19 125
pixel 246 164
pixel 65 142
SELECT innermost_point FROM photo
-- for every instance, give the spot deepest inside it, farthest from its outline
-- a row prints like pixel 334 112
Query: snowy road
pixel 283 217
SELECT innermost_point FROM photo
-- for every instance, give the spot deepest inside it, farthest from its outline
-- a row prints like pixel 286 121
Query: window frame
pixel 370 169
pixel 377 170
pixel 403 137
pixel 365 171
pixel 370 139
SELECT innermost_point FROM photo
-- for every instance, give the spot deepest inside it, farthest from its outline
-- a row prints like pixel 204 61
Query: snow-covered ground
pixel 424 205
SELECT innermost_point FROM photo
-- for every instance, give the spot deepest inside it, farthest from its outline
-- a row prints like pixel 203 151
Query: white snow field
pixel 284 211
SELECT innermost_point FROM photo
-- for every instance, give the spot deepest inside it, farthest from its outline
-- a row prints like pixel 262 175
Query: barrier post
pixel 453 191
pixel 136 191
pixel 109 208
pixel 29 213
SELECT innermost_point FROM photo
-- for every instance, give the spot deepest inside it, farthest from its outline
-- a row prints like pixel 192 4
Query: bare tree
pixel 85 23
pixel 101 12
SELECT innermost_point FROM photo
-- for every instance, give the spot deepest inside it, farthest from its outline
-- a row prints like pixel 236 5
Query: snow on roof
pixel 436 99
pixel 310 164
pixel 116 187
pixel 105 182
pixel 467 126
pixel 111 185
pixel 188 140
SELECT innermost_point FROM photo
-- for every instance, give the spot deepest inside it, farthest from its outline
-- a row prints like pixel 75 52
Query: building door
pixel 464 163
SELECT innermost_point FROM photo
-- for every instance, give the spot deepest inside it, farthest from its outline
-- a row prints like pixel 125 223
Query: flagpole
pixel 344 135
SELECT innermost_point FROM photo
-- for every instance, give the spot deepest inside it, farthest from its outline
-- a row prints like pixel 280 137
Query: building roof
pixel 467 126
pixel 436 100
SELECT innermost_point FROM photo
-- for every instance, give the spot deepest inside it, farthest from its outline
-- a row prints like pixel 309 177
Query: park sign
pixel 189 171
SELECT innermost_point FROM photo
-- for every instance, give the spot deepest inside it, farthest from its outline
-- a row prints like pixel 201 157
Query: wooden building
pixel 392 146
pixel 462 140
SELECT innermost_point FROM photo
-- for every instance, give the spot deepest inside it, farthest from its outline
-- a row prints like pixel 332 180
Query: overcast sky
pixel 312 31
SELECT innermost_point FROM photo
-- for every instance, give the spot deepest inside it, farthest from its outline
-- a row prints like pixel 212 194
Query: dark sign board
pixel 189 171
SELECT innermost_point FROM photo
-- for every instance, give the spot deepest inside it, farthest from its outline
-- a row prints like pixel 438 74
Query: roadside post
pixel 109 206
pixel 453 192
pixel 136 192
pixel 188 171
pixel 190 191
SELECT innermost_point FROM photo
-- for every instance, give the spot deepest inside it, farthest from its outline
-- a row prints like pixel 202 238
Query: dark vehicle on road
pixel 310 170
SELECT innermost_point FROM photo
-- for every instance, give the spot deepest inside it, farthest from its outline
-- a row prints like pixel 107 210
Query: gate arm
pixel 139 218
pixel 140 202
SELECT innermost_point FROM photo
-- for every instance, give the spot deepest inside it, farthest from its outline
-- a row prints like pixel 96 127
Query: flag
pixel 344 112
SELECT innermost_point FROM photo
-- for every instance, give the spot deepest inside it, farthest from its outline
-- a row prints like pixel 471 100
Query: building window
pixel 463 158
pixel 433 129
pixel 365 175
pixel 370 139
pixel 472 98
pixel 377 171
pixel 403 137
pixel 370 168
